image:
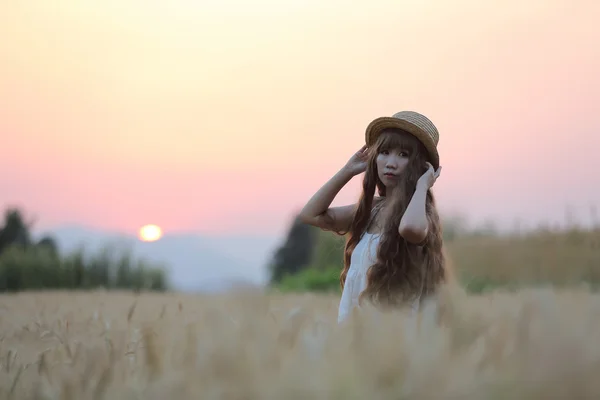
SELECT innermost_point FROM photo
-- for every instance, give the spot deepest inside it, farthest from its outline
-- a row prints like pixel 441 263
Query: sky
pixel 224 117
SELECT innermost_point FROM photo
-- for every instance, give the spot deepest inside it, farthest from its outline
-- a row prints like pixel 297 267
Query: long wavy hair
pixel 403 272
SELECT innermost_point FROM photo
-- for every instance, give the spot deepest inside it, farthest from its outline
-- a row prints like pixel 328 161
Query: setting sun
pixel 150 233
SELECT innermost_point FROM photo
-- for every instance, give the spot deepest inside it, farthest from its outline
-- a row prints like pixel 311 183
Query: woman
pixel 393 253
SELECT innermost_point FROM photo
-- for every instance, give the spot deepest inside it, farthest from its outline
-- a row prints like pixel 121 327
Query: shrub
pixel 312 280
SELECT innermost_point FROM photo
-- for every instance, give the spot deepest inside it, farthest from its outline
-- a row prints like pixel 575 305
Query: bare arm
pixel 317 212
pixel 414 225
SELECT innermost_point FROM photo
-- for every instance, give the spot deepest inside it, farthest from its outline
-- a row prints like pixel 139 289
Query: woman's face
pixel 393 157
pixel 390 164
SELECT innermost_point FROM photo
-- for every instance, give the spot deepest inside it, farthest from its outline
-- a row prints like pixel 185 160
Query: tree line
pixel 26 264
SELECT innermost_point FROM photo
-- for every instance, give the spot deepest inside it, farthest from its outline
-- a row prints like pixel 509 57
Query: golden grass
pixel 557 258
pixel 537 344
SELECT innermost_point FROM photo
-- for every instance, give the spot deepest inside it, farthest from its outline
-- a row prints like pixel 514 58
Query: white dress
pixel 363 256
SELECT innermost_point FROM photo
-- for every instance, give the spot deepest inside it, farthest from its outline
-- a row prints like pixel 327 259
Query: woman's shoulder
pixel 377 200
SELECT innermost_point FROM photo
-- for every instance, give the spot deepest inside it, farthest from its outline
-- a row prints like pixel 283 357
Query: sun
pixel 150 233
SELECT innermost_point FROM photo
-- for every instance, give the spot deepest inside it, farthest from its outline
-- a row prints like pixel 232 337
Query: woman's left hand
pixel 430 176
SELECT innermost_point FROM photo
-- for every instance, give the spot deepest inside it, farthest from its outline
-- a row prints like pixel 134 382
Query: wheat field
pixel 535 344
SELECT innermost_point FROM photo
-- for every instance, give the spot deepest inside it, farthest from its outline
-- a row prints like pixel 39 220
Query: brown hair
pixel 403 271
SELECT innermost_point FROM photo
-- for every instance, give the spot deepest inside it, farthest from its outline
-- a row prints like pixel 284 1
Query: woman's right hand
pixel 357 164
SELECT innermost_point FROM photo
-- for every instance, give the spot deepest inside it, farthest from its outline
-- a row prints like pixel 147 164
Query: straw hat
pixel 411 122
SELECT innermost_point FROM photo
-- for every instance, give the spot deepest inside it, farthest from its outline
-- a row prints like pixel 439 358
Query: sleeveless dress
pixel 363 256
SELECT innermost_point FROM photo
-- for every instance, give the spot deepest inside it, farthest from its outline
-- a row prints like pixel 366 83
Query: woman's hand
pixel 357 164
pixel 430 176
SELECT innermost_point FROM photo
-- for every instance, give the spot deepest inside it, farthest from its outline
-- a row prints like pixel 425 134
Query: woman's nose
pixel 391 164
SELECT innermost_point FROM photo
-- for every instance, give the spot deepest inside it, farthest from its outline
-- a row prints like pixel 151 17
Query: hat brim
pixel 380 124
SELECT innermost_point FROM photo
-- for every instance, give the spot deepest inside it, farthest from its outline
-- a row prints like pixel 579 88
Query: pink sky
pixel 223 117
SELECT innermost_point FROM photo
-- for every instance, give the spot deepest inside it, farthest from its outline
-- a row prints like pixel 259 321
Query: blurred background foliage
pixel 309 259
pixel 26 264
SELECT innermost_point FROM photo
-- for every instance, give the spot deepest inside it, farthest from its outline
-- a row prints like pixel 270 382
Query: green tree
pixel 15 230
pixel 48 244
pixel 295 253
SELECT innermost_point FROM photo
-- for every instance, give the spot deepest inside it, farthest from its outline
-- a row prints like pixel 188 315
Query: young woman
pixel 393 255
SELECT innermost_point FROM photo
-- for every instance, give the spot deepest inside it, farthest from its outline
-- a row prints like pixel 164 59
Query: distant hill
pixel 196 262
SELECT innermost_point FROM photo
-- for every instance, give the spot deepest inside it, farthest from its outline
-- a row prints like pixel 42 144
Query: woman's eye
pixel 403 154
